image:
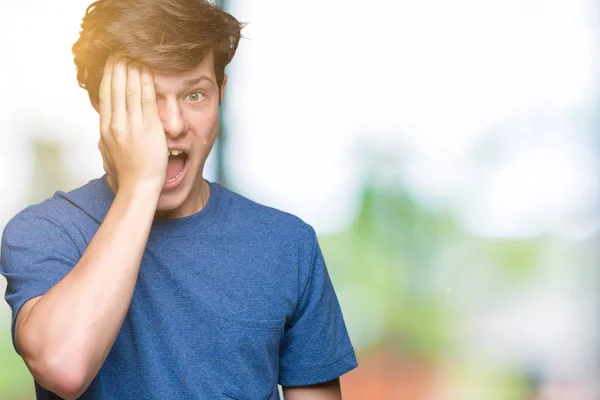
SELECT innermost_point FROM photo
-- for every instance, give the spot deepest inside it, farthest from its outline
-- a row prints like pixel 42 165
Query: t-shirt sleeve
pixel 316 347
pixel 35 254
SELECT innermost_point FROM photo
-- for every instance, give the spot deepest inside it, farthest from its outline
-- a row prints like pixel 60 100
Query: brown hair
pixel 170 36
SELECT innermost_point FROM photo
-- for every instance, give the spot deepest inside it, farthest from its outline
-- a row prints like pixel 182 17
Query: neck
pixel 204 193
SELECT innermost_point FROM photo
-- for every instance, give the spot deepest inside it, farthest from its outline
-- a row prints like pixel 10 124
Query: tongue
pixel 175 166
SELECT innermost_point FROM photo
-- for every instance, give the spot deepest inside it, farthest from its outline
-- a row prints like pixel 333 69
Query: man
pixel 151 282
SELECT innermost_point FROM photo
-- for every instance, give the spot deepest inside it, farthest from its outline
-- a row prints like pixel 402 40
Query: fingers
pixel 118 123
pixel 149 108
pixel 134 94
pixel 126 96
pixel 104 97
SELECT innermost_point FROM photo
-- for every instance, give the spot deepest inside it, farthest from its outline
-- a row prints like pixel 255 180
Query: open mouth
pixel 176 168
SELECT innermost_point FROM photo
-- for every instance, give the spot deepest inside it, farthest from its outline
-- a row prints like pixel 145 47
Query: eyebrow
pixel 191 82
pixel 187 83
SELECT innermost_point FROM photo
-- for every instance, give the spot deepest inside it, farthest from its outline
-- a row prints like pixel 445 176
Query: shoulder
pixel 35 234
pixel 52 216
pixel 249 214
pixel 37 220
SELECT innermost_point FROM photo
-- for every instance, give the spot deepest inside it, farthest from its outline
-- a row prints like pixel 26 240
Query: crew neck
pixel 192 223
pixel 165 227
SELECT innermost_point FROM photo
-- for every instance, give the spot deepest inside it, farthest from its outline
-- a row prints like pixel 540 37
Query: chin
pixel 168 209
pixel 171 202
pixel 168 204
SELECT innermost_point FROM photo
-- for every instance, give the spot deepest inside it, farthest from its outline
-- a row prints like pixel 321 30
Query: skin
pixel 65 335
pixel 323 391
pixel 188 107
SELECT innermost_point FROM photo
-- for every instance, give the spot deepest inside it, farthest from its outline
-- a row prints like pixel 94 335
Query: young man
pixel 151 282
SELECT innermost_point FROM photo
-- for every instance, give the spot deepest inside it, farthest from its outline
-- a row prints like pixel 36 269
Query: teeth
pixel 175 152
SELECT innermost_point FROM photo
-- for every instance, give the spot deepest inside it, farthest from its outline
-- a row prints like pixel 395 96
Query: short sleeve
pixel 35 254
pixel 316 347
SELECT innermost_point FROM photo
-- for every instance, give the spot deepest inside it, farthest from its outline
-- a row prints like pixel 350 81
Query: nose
pixel 172 117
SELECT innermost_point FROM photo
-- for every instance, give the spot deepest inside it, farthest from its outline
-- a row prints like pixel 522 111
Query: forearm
pixel 70 330
pixel 323 391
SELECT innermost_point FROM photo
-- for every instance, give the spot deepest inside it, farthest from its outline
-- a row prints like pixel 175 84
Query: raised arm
pixel 65 335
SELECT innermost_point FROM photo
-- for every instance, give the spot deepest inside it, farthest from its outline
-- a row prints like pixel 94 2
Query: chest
pixel 217 279
pixel 205 322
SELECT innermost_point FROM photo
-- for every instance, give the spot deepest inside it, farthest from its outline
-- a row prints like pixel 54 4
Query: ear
pixel 223 86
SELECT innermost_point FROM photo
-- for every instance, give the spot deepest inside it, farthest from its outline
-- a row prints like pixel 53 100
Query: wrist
pixel 150 191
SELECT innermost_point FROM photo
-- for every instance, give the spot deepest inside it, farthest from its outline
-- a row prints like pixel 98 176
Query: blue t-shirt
pixel 229 302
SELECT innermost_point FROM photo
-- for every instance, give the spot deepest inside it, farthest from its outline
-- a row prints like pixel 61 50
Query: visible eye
pixel 195 97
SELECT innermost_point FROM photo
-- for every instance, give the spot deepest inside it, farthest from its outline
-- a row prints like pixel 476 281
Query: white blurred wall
pixel 315 81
